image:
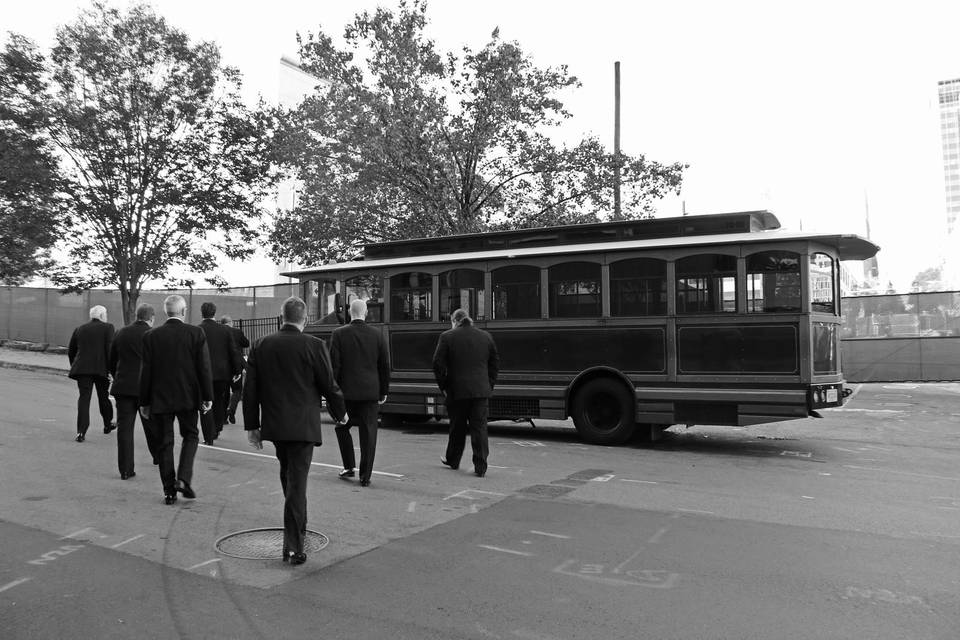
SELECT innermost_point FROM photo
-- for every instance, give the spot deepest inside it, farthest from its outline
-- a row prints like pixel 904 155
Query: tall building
pixel 949 93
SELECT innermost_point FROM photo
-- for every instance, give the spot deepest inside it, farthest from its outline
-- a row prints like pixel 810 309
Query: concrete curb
pixel 32 367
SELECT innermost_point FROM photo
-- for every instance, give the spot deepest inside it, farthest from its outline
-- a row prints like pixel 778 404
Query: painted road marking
pixel 197 566
pixel 653 578
pixel 527 443
pixel 549 535
pixel 274 458
pixel 119 544
pixel 709 513
pixel 465 494
pixel 84 530
pixel 605 478
pixel 655 538
pixel 50 556
pixel 619 567
pixel 903 473
pixel 411 507
pixel 881 595
pixel 807 497
pixel 502 550
pixel 11 585
pixel 638 481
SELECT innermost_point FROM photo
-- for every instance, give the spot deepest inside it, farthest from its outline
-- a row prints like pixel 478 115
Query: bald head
pixel 358 309
pixel 175 306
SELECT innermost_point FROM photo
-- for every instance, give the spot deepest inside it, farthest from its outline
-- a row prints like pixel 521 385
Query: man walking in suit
pixel 287 374
pixel 465 366
pixel 175 382
pixel 236 385
pixel 361 366
pixel 226 365
pixel 126 353
pixel 89 353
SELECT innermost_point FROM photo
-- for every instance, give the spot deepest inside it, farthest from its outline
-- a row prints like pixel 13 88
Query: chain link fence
pixel 909 315
pixel 48 316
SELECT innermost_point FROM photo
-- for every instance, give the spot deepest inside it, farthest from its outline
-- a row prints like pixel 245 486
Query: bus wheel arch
pixel 602 404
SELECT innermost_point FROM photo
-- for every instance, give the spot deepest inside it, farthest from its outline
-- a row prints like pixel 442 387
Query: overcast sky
pixel 810 109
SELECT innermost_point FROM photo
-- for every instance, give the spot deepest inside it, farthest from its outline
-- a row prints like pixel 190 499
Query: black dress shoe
pixel 186 490
pixel 452 466
pixel 209 443
pixel 347 473
pixel 80 437
pixel 479 474
pixel 295 558
pixel 364 483
pixel 127 476
pixel 170 499
pixel 107 428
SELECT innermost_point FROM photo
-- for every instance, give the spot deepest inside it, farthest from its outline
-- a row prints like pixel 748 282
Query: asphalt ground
pixel 845 527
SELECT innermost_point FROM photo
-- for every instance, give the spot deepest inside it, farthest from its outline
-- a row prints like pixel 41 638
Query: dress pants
pixel 162 426
pixel 469 414
pixel 212 421
pixel 126 418
pixel 295 458
pixel 364 416
pixel 236 392
pixel 86 384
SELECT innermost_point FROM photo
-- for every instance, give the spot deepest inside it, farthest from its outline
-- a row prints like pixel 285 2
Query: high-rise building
pixel 949 93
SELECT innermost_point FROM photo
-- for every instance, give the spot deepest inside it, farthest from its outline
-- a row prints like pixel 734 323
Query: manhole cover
pixel 265 544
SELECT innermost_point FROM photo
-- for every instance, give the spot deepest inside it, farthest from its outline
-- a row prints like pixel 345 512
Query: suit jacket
pixel 466 363
pixel 287 374
pixel 240 337
pixel 175 375
pixel 361 364
pixel 89 349
pixel 126 354
pixel 225 358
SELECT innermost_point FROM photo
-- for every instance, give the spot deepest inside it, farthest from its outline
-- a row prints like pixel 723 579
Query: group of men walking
pixel 185 372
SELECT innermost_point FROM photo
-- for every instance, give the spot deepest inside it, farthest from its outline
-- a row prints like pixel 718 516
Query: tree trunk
pixel 128 301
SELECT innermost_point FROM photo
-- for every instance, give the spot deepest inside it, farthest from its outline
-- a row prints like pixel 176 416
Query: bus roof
pixel 848 247
pixel 644 229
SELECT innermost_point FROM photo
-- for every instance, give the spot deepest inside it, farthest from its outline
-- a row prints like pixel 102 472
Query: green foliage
pixel 408 141
pixel 30 205
pixel 164 165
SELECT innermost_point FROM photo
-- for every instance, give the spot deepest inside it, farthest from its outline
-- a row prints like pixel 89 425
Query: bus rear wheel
pixel 603 411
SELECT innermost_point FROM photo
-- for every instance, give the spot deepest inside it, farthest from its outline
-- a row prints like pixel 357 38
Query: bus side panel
pixel 738 349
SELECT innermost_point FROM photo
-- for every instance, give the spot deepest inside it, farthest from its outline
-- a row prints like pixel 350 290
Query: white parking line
pixel 269 457
pixel 903 473
pixel 197 566
pixel 502 550
pixel 549 535
pixel 11 585
pixel 638 481
pixel 126 541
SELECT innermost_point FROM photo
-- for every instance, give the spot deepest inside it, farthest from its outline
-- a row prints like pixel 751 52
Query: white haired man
pixel 361 366
pixel 89 355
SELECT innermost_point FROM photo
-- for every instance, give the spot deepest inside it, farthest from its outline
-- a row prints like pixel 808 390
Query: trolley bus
pixel 720 319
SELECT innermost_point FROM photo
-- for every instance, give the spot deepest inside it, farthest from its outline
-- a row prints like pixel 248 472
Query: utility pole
pixel 616 140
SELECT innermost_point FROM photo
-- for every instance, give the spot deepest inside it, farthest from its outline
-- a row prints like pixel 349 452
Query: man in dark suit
pixel 175 382
pixel 126 353
pixel 226 365
pixel 361 366
pixel 236 385
pixel 287 374
pixel 465 366
pixel 89 353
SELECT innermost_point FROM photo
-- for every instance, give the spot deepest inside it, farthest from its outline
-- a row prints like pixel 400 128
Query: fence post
pixel 254 301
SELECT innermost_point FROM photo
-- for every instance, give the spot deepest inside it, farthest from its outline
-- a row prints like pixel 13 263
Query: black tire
pixel 603 411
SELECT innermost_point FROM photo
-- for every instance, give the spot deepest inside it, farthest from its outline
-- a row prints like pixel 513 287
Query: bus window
pixel 773 282
pixel 320 297
pixel 638 287
pixel 411 297
pixel 707 284
pixel 821 283
pixel 516 292
pixel 575 290
pixel 461 289
pixel 366 287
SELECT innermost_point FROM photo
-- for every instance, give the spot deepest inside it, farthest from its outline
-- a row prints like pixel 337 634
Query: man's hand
pixel 382 400
pixel 344 421
pixel 206 405
pixel 253 437
pixel 237 377
pixel 145 412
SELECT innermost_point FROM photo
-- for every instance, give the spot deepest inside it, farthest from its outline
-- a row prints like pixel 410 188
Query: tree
pixel 411 142
pixel 30 205
pixel 164 166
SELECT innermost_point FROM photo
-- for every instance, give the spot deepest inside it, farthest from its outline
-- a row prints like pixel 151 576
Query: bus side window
pixel 822 289
pixel 322 301
pixel 369 288
pixel 411 297
pixel 638 287
pixel 575 290
pixel 773 282
pixel 707 284
pixel 516 292
pixel 461 289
